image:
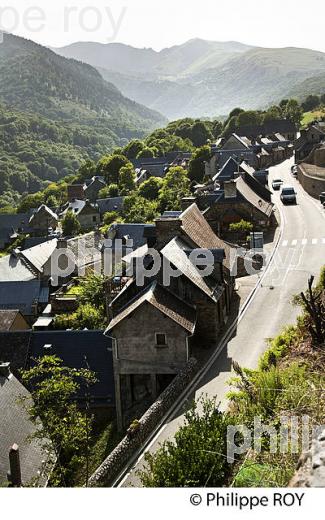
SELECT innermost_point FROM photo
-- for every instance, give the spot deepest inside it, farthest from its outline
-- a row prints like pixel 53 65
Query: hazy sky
pixel 162 23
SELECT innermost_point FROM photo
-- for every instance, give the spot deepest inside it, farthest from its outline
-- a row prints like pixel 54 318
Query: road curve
pixel 301 252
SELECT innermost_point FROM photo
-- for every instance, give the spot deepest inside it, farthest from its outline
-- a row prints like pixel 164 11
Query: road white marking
pixel 294 242
pixel 314 241
pixel 304 241
pixel 284 243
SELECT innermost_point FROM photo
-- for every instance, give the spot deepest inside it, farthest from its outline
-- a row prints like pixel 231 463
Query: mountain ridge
pixel 204 78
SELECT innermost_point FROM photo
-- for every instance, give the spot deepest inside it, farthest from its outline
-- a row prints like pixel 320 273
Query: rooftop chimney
pixel 167 229
pixel 14 475
pixel 4 369
pixel 230 189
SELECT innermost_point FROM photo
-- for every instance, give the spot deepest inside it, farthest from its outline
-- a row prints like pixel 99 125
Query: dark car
pixel 288 195
pixel 322 198
pixel 276 184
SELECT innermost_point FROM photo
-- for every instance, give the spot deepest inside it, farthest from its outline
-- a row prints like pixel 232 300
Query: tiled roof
pixel 166 302
pixel 16 427
pixel 73 347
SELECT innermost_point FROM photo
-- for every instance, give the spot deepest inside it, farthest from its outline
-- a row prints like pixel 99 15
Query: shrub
pixel 242 226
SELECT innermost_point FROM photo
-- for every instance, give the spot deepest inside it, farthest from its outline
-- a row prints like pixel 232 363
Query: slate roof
pixel 72 347
pixel 166 302
pixel 227 171
pixel 138 233
pixel 37 256
pixel 176 252
pixel 43 209
pixel 16 427
pixel 14 269
pixel 110 204
pixel 7 318
pixel 252 197
pixel 86 249
pixel 196 227
pixel 14 349
pixel 22 295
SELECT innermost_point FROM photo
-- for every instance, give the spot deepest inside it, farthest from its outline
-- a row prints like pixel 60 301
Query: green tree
pixel 176 185
pixel 127 180
pixel 87 316
pixel 62 428
pixel 274 112
pixel 293 111
pixel 139 210
pixel 109 166
pixel 198 455
pixel 110 217
pixel 200 134
pixel 70 224
pixel 133 148
pixel 150 188
pixel 310 103
pixel 250 117
pixel 196 169
pixel 148 152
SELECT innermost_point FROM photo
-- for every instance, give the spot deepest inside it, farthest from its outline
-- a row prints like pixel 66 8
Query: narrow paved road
pixel 301 252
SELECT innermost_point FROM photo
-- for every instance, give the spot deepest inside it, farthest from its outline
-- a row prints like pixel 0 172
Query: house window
pixel 161 339
pixel 94 218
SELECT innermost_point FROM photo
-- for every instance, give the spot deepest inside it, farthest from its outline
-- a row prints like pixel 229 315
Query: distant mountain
pixel 35 79
pixel 311 85
pixel 201 78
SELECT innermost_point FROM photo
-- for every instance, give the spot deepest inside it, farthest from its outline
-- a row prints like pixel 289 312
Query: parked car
pixel 288 195
pixel 322 198
pixel 294 170
pixel 276 184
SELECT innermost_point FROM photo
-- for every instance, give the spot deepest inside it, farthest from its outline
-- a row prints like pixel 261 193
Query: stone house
pixel 87 213
pixel 43 219
pixel 174 316
pixel 309 138
pixel 93 187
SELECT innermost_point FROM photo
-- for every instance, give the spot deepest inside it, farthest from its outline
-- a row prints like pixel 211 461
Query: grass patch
pixel 309 117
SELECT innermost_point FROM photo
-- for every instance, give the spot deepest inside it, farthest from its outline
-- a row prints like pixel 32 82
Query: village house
pixel 86 213
pixel 173 318
pixel 93 186
pixel 43 220
pixel 234 201
pixel 309 138
pixel 11 225
pixel 110 204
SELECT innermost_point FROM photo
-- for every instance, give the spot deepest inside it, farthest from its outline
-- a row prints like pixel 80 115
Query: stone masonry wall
pixel 311 465
pixel 120 456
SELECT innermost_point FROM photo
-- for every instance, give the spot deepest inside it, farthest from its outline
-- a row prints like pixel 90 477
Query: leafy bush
pixel 278 347
pixel 196 457
pixel 242 226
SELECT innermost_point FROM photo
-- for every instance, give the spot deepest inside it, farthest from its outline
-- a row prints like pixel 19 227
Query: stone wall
pixel 122 454
pixel 311 465
pixel 312 179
